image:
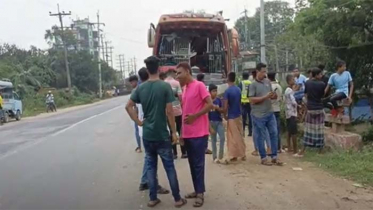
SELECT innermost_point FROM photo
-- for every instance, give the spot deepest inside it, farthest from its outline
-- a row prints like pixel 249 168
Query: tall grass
pixel 35 104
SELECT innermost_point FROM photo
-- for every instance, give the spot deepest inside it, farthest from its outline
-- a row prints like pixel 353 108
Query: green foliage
pixel 35 69
pixel 322 31
pixel 35 104
pixel 368 135
pixel 345 29
pixel 353 165
pixel 32 70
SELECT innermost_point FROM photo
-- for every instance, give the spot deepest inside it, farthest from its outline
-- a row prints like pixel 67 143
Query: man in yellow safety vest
pixel 245 102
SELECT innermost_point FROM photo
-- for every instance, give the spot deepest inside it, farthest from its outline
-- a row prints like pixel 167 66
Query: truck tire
pixel 18 116
pixel 6 117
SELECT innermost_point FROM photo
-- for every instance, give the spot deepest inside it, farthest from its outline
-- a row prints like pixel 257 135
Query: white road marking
pixel 27 146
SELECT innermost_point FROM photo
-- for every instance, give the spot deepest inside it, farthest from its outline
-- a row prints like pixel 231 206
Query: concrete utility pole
pixel 287 60
pixel 107 52
pixel 129 67
pixel 277 63
pixel 262 34
pixel 60 16
pixel 121 65
pixel 111 56
pixel 102 46
pixel 134 64
pixel 247 34
pixel 98 55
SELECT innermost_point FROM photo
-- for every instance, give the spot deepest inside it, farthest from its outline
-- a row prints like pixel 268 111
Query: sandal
pixel 233 160
pixel 276 162
pixel 191 195
pixel 152 204
pixel 266 163
pixel 138 150
pixel 200 200
pixel 255 153
pixel 183 202
pixel 244 158
pixel 162 191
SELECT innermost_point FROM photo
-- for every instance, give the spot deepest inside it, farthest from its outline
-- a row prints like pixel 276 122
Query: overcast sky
pixel 23 22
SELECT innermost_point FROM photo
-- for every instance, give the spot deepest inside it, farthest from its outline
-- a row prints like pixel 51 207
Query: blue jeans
pixel 164 150
pixel 267 141
pixel 219 130
pixel 277 115
pixel 138 139
pixel 196 148
pixel 261 125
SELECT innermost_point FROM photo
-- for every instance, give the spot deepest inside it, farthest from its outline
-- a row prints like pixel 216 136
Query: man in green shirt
pixel 156 97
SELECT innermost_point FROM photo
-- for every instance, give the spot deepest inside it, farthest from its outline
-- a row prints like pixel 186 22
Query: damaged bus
pixel 202 40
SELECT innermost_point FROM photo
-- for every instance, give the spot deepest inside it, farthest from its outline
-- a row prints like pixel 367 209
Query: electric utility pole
pixel 107 52
pixel 262 34
pixel 60 16
pixel 102 46
pixel 111 56
pixel 247 34
pixel 98 54
pixel 134 65
pixel 121 65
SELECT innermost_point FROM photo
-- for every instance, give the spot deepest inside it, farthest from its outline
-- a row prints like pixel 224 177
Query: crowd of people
pixel 173 108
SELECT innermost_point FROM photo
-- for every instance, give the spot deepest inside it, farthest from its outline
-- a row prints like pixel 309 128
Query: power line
pixel 60 16
pixel 126 39
pixel 98 54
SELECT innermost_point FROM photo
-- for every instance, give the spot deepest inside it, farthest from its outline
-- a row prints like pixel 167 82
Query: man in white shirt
pixel 276 105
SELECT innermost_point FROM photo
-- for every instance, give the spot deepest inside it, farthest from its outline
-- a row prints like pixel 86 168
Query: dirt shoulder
pixel 284 188
pixel 248 185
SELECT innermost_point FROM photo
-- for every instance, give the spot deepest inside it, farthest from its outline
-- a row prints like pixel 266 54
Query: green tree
pixel 278 16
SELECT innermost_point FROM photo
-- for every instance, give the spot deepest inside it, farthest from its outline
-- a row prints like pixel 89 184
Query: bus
pixel 203 40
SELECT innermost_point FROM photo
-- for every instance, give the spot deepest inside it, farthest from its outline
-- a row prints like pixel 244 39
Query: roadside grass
pixel 35 104
pixel 353 165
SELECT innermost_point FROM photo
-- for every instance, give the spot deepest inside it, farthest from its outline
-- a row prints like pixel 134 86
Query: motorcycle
pixel 51 107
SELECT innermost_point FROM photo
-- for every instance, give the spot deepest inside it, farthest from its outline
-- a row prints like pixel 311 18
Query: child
pixel 291 114
pixel 216 125
pixel 344 85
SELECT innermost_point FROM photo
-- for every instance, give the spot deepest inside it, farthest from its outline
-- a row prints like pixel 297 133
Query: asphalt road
pixel 83 158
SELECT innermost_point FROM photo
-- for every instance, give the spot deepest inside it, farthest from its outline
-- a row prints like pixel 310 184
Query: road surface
pixel 84 158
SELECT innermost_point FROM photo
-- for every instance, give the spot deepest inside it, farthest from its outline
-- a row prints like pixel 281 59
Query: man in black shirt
pixel 315 118
pixel 315 90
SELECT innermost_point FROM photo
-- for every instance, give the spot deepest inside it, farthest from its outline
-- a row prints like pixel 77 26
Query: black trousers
pixel 335 98
pixel 178 121
pixel 246 117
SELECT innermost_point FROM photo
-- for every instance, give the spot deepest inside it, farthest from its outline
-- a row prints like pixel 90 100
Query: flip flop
pixel 276 162
pixel 163 191
pixel 151 204
pixel 266 163
pixel 191 195
pixel 183 202
pixel 255 153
